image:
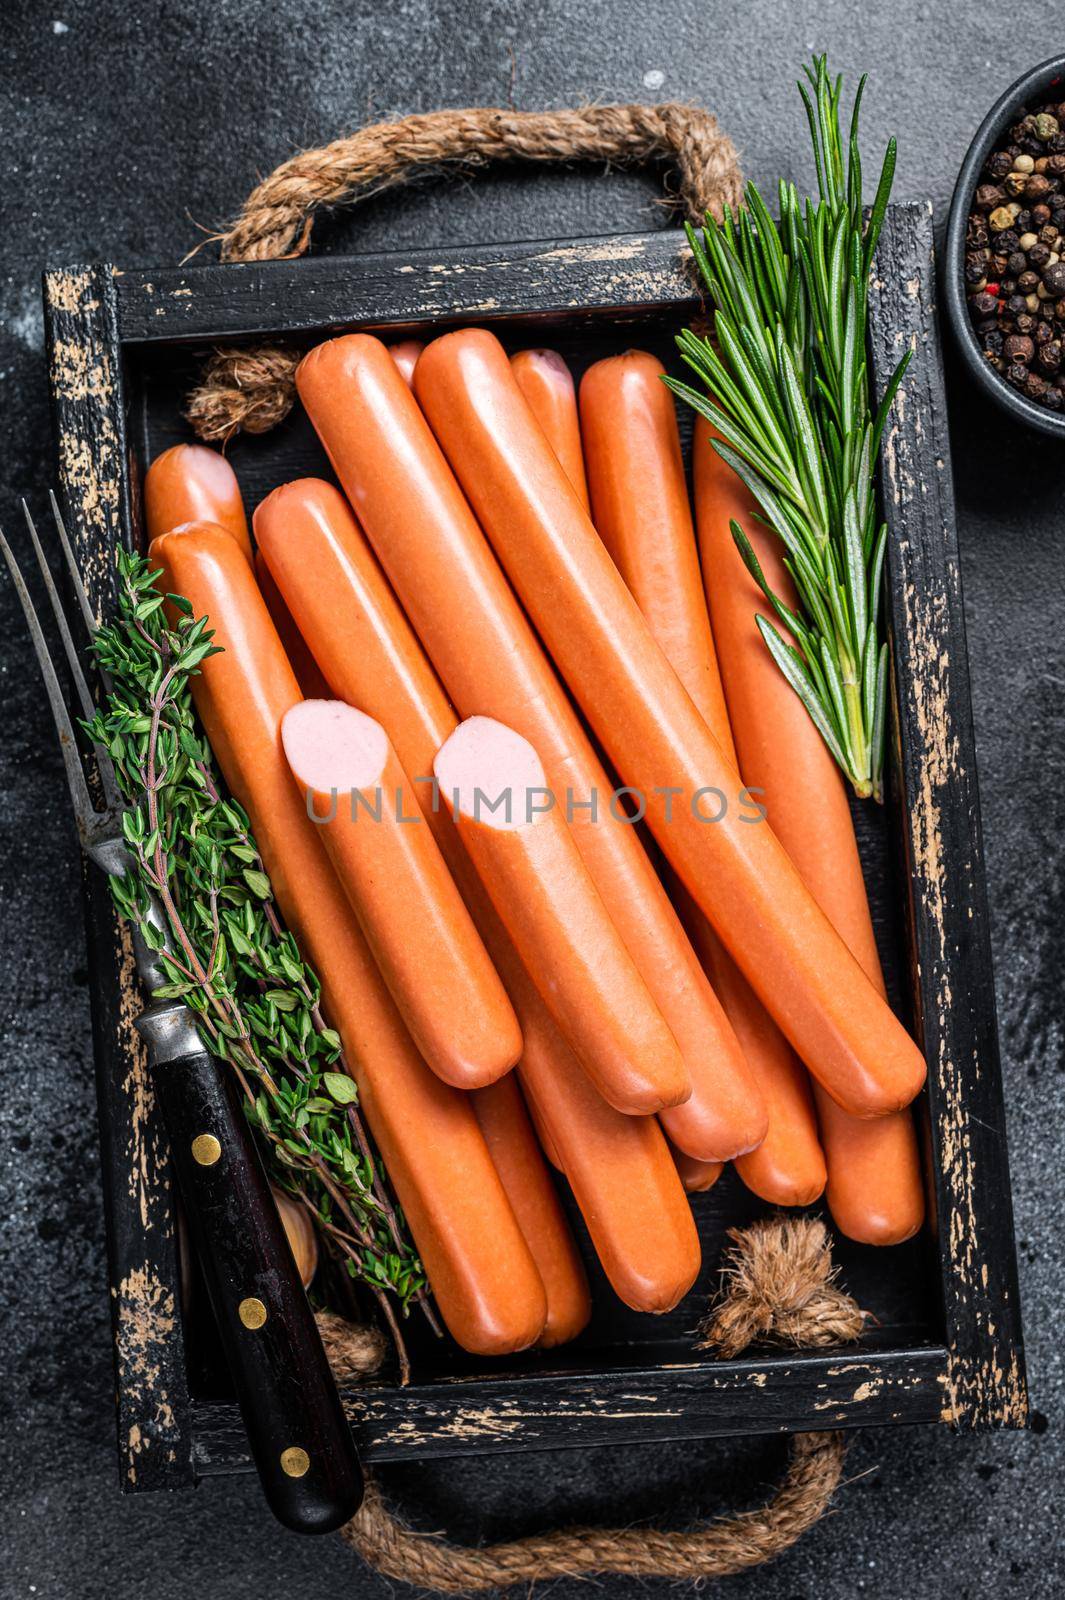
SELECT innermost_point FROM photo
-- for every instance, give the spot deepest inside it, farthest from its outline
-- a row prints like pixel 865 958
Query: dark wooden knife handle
pixel 298 1434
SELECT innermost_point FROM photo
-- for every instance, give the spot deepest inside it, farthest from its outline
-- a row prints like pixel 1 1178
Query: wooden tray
pixel 945 1344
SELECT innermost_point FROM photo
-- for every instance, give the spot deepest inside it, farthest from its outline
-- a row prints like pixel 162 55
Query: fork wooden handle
pixel 298 1434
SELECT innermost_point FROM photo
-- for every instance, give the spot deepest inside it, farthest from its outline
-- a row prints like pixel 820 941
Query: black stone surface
pixel 125 128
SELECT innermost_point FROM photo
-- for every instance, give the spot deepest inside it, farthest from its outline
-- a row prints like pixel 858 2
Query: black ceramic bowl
pixel 1027 91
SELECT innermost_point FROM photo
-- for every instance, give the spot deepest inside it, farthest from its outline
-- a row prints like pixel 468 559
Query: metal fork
pixel 298 1434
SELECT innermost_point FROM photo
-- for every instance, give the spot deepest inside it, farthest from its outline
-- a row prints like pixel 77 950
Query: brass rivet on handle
pixel 295 1461
pixel 252 1312
pixel 206 1149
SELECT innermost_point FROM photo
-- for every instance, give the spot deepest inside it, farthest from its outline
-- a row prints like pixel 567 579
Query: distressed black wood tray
pixel 944 1345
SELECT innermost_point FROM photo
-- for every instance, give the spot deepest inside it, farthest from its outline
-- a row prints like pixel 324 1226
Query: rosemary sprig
pixel 233 963
pixel 789 397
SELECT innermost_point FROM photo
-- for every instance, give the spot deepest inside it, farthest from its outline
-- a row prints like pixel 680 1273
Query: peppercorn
pixel 1039 216
pixel 989 195
pixel 984 303
pixel 1054 279
pixel 1016 264
pixel 976 232
pixel 1050 355
pixel 997 263
pixel 1017 304
pixel 1057 143
pixel 1017 375
pixel 1027 282
pixel 1052 398
pixel 1018 348
pixel 1025 323
pixel 1043 333
pixel 1049 235
pixel 1056 165
pixel 1022 221
pixel 1008 241
pixel 999 165
pixel 993 343
pixel 1036 187
pixel 1001 219
pixel 1046 126
pixel 1038 252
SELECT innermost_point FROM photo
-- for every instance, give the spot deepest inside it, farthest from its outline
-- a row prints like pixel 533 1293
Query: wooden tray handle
pixel 778 1287
pixel 253 389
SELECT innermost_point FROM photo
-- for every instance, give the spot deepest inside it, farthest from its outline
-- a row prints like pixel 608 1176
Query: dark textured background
pixel 124 127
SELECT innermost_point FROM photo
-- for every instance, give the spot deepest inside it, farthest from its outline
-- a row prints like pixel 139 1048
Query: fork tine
pixel 70 649
pixel 104 765
pixel 88 617
pixel 85 814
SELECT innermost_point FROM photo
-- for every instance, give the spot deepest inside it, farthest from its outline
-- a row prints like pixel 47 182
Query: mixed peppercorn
pixel 1015 257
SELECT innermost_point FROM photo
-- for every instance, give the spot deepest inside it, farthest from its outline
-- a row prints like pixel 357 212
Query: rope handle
pixel 253 390
pixel 778 1287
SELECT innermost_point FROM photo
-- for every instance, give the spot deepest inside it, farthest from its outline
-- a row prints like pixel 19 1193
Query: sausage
pixel 539 1122
pixel 874 1192
pixel 413 918
pixel 696 1176
pixel 512 1144
pixel 526 858
pixel 618 1167
pixel 405 355
pixel 737 872
pixel 192 483
pixel 486 1283
pixel 293 643
pixel 547 384
pixel 484 649
pixel 641 512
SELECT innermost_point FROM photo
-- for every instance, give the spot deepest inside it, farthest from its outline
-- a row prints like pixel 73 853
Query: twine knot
pixel 779 1287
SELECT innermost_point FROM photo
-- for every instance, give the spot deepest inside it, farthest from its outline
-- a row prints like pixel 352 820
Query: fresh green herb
pixel 789 397
pixel 255 999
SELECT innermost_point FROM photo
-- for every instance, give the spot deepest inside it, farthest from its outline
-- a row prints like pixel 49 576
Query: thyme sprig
pixel 256 1001
pixel 789 396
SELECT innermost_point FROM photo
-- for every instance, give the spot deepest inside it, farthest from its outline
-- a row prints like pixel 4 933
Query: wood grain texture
pixel 154 1430
pixel 953 979
pixel 679 1400
pixel 571 279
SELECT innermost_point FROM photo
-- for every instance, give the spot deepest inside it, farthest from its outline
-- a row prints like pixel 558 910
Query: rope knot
pixel 779 1286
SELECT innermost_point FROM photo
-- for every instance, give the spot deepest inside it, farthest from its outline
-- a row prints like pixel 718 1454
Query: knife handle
pixel 298 1434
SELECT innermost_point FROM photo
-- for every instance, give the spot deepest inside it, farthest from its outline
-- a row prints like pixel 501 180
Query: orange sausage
pixel 293 643
pixel 512 1145
pixel 641 511
pixel 874 1191
pixel 412 916
pixel 486 1283
pixel 191 483
pixel 738 873
pixel 547 384
pixel 618 1167
pixel 526 858
pixel 696 1176
pixel 481 644
pixel 405 355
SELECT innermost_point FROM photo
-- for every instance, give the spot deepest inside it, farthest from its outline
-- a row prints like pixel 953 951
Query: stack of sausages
pixel 413 674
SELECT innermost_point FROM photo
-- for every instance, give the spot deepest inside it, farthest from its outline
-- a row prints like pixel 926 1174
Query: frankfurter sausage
pixel 512 1144
pixel 527 860
pixel 875 1193
pixel 696 1176
pixel 618 1167
pixel 641 511
pixel 405 355
pixel 192 483
pixel 412 916
pixel 293 643
pixel 739 874
pixel 547 384
pixel 483 648
pixel 486 1283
